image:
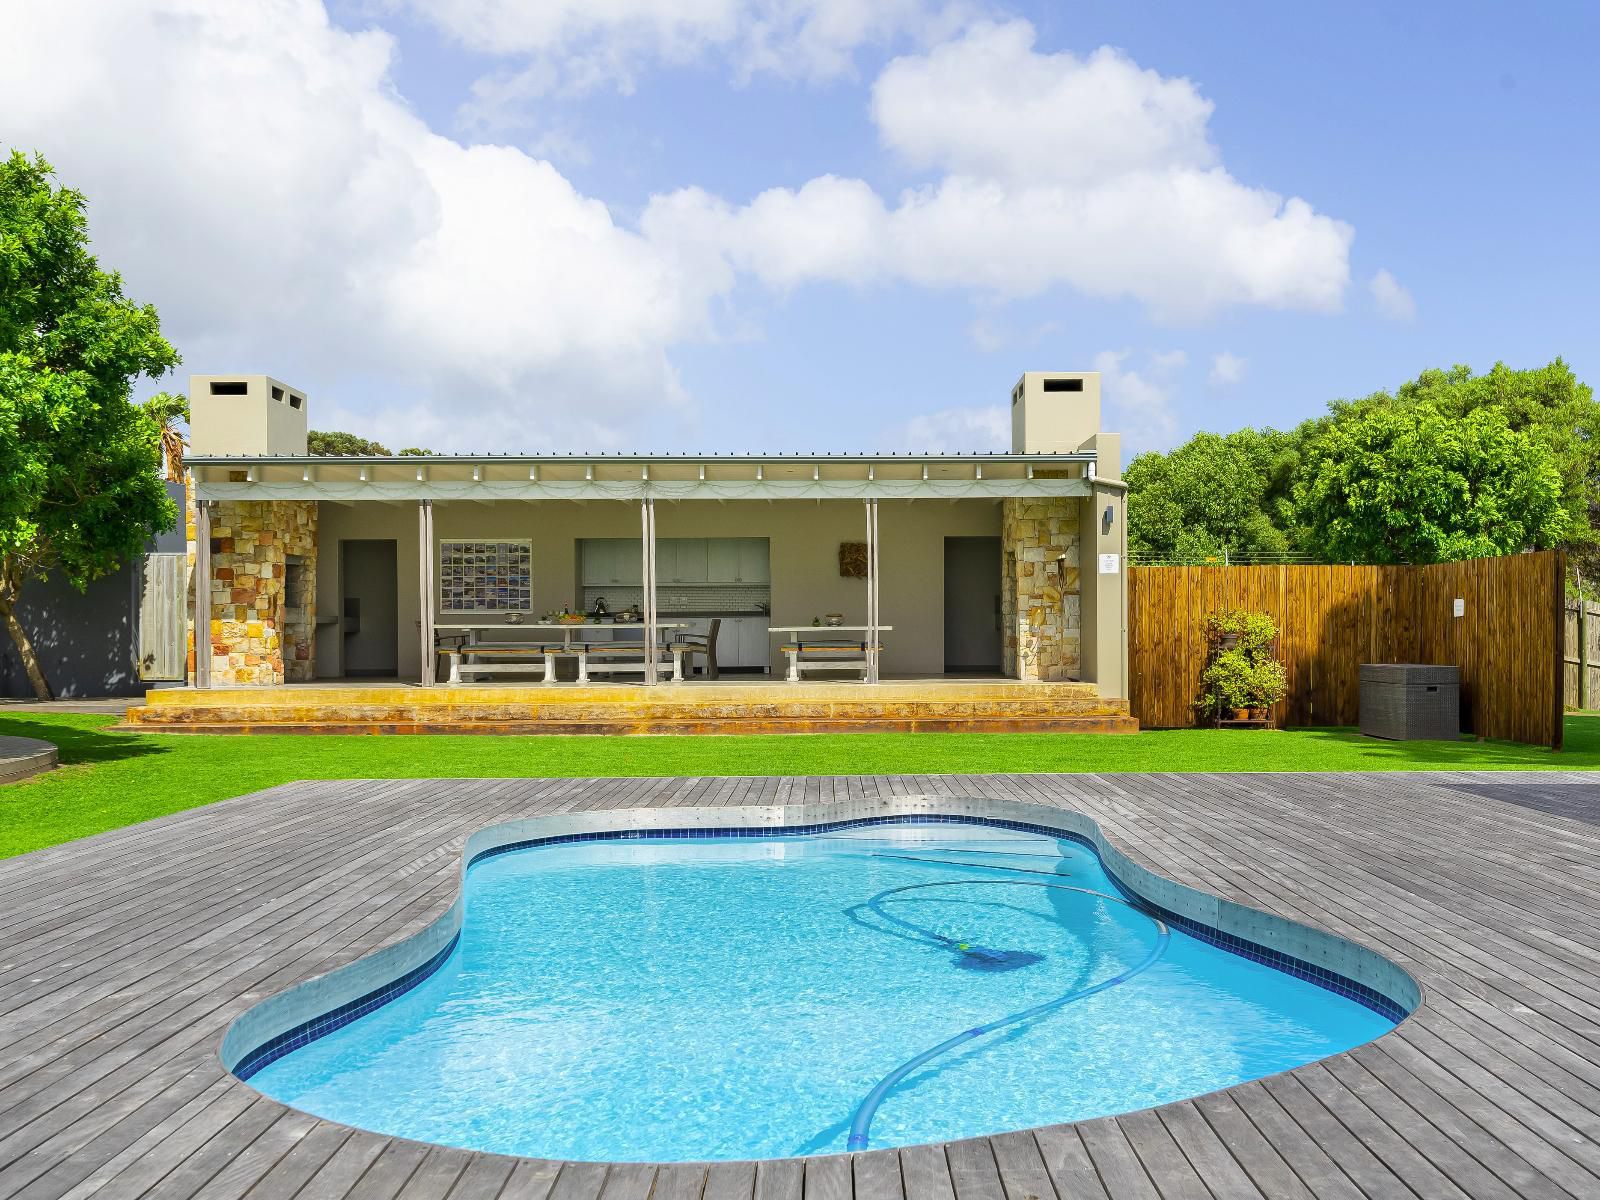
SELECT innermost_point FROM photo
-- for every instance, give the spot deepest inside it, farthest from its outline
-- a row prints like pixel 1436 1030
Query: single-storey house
pixel 461 571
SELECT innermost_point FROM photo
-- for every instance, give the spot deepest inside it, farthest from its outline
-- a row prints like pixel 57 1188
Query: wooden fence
pixel 1581 659
pixel 1508 641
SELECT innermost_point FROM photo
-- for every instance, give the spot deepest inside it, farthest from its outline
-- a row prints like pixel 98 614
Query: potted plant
pixel 1242 677
pixel 1228 682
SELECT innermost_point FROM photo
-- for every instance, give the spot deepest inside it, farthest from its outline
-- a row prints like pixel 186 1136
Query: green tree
pixel 1216 494
pixel 334 443
pixel 80 484
pixel 1412 483
pixel 166 409
pixel 1549 403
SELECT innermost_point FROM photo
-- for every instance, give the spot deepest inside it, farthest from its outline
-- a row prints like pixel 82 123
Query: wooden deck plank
pixel 828 1178
pixel 780 1179
pixel 925 1173
pixel 730 1181
pixel 877 1175
pixel 129 953
pixel 1071 1169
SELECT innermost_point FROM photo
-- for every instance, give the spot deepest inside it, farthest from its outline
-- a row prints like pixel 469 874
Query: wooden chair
pixel 690 644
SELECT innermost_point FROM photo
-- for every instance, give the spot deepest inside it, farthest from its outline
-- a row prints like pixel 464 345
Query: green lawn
pixel 109 779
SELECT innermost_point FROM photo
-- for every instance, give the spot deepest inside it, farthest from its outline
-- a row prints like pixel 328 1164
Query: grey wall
pixel 86 641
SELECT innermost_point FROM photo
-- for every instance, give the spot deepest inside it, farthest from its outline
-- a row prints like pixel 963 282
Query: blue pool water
pixel 723 999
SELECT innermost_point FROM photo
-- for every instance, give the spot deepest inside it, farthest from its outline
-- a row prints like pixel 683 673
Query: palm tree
pixel 167 409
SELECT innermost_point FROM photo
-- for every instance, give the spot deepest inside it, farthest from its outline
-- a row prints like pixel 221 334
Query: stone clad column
pixel 264 630
pixel 1039 590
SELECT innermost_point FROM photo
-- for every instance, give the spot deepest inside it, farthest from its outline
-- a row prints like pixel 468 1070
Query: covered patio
pixel 589 577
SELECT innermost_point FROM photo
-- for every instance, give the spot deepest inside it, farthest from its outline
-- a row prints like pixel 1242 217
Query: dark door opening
pixel 370 609
pixel 972 604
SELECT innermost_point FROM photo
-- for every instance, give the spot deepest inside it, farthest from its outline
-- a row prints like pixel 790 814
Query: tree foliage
pixel 332 442
pixel 1258 494
pixel 80 485
pixel 1215 494
pixel 335 443
pixel 1390 484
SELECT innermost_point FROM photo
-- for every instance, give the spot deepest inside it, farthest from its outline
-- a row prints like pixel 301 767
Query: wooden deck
pixel 125 956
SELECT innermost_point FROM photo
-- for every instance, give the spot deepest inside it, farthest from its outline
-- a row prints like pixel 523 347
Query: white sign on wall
pixel 1110 564
pixel 1459 608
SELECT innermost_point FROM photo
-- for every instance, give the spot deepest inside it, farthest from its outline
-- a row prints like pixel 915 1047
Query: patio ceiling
pixel 634 477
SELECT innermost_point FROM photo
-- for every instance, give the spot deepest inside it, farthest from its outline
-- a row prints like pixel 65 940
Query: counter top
pixel 678 615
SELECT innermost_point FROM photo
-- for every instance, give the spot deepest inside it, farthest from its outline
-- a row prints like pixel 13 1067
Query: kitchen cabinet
pixel 754 562
pixel 722 560
pixel 681 560
pixel 612 561
pixel 737 560
pixel 754 650
pixel 741 641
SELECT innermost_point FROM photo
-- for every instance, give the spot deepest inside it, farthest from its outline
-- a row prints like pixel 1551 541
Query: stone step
pixel 528 693
pixel 624 724
pixel 557 711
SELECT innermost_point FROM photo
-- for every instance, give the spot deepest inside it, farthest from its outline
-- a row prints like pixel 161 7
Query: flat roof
pixel 569 476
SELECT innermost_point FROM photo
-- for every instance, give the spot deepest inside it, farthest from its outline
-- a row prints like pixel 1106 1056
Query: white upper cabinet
pixel 681 560
pixel 737 560
pixel 755 565
pixel 722 560
pixel 615 561
pixel 612 561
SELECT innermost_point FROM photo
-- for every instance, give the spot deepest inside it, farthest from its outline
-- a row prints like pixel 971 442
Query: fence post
pixel 1559 587
pixel 1583 653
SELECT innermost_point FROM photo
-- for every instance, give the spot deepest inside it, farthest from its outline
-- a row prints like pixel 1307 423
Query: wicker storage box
pixel 1410 701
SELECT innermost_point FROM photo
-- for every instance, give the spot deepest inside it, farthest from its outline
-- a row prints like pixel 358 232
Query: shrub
pixel 1242 673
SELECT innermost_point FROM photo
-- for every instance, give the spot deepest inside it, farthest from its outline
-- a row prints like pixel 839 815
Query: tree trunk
pixel 19 635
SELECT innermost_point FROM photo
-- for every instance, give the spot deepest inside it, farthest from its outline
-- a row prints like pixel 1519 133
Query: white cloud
pixel 1107 184
pixel 252 172
pixel 1393 300
pixel 580 45
pixel 255 174
pixel 1226 369
pixel 983 427
pixel 1138 404
pixel 986 335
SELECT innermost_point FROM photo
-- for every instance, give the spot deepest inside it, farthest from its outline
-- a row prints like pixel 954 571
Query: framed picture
pixel 486 577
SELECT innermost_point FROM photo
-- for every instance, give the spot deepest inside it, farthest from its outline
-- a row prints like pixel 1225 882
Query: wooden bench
pixel 620 658
pixel 503 661
pixel 826 655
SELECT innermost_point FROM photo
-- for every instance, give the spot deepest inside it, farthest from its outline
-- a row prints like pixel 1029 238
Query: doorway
pixel 972 605
pixel 369 608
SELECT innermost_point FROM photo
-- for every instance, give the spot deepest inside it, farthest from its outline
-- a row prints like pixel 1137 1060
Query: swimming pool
pixel 702 998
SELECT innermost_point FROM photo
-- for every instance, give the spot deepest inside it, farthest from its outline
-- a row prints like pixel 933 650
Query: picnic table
pixel 825 648
pixel 476 656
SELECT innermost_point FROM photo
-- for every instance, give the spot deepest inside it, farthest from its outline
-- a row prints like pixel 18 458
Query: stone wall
pixel 1039 590
pixel 256 637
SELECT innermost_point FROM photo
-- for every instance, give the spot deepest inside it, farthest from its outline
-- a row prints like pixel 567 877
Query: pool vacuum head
pixel 985 958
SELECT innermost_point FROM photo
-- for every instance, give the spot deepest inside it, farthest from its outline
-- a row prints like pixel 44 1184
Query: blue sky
pixel 1454 145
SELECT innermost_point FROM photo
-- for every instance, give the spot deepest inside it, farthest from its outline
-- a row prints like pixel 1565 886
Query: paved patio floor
pixel 124 957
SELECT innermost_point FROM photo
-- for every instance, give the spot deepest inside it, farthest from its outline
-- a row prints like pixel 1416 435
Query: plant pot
pixel 1241 714
pixel 1227 641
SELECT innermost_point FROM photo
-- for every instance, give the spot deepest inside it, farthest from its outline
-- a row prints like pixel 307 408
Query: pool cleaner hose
pixel 861 1121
